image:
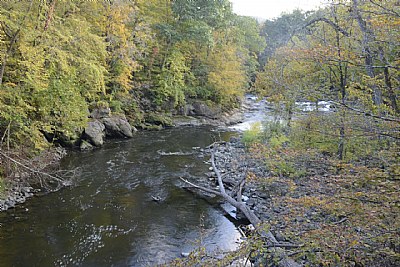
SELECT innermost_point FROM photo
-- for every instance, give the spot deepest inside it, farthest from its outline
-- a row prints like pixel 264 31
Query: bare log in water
pixel 271 241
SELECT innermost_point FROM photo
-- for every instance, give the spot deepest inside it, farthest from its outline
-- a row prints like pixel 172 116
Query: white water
pixel 260 111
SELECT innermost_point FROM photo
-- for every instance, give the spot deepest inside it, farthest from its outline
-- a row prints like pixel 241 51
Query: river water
pixel 110 218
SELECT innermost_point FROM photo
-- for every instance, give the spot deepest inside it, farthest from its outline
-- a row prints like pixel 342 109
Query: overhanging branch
pixel 329 22
pixel 366 113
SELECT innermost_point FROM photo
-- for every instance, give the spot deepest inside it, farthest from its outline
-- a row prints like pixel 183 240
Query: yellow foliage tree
pixel 227 76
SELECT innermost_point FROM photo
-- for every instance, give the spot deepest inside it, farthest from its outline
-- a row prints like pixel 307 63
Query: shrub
pixel 252 135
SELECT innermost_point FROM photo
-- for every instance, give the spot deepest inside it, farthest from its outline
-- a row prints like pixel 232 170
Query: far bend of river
pixel 109 218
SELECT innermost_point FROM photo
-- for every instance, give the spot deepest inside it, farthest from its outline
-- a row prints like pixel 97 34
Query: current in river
pixel 110 218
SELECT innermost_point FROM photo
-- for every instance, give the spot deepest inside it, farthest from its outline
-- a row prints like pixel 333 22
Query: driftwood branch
pixel 205 189
pixel 284 245
pixel 61 181
pixel 240 191
pixel 271 241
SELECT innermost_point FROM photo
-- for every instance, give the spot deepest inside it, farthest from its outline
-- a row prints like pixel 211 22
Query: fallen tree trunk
pixel 271 241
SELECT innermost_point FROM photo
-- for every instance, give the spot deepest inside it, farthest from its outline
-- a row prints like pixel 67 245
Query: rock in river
pixel 95 132
pixel 117 126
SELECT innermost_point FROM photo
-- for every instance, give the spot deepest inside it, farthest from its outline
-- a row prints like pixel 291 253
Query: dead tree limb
pixel 205 189
pixel 366 113
pixel 240 191
pixel 272 243
pixel 329 22
pixel 61 181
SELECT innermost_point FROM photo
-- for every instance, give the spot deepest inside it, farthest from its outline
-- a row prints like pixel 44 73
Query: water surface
pixel 110 219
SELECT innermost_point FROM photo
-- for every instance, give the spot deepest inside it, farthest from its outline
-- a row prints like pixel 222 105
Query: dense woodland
pixel 341 168
pixel 61 59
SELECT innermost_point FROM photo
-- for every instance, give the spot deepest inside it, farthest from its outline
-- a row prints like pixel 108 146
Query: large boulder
pixel 95 132
pixel 117 126
pixel 202 109
pixel 84 146
pixel 186 110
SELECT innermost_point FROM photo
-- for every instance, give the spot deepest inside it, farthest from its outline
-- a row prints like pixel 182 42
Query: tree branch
pixel 240 191
pixel 205 189
pixel 366 113
pixel 389 11
pixel 271 241
pixel 31 169
pixel 331 23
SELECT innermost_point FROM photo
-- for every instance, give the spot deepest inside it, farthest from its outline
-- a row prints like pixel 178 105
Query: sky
pixel 269 9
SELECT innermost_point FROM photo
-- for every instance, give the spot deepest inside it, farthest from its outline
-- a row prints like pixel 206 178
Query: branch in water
pixel 271 241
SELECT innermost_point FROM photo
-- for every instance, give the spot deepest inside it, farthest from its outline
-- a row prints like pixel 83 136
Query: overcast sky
pixel 269 9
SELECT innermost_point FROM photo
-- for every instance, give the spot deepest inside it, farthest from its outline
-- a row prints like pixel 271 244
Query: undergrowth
pixel 344 212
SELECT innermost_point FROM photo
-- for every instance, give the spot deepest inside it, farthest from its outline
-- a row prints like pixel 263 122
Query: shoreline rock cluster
pixel 17 194
pixel 200 113
pixel 235 164
pixel 103 125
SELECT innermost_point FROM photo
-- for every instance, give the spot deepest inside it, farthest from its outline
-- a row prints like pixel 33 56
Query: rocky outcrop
pixel 186 110
pixel 85 145
pixel 95 132
pixel 17 194
pixel 200 108
pixel 117 126
pixel 103 125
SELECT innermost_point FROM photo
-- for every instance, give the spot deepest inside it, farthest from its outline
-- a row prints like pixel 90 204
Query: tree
pixel 226 77
pixel 246 34
pixel 328 58
pixel 54 45
pixel 278 32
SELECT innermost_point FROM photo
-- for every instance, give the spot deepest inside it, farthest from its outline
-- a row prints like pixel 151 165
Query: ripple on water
pixel 77 227
pixel 89 243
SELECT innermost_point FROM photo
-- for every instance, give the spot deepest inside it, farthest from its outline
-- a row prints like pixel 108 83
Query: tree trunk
pixel 7 54
pixel 50 15
pixel 367 51
pixel 388 83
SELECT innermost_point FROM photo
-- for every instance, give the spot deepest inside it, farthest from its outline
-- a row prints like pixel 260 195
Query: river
pixel 110 218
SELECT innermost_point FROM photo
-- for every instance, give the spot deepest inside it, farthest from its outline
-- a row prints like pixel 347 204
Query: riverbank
pixel 235 164
pixel 103 126
pixel 26 177
pixel 334 214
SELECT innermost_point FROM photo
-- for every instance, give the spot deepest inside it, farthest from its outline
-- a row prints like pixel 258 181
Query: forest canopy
pixel 59 59
pixel 142 59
